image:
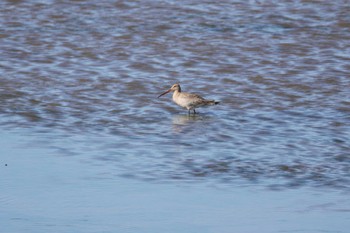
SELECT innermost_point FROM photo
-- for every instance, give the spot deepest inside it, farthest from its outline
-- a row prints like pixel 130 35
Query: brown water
pixel 80 78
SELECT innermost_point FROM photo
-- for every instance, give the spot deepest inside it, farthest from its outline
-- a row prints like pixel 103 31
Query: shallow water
pixel 44 191
pixel 79 80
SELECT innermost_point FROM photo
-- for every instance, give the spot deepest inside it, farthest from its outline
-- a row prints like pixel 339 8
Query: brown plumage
pixel 188 100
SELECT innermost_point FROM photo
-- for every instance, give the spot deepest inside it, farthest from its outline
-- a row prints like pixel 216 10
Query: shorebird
pixel 188 100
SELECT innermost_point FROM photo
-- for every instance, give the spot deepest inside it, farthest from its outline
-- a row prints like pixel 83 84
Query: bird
pixel 188 100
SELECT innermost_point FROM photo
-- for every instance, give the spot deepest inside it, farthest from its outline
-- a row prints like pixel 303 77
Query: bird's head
pixel 175 87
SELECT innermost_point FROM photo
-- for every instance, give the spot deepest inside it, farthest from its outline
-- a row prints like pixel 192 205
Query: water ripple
pixel 74 72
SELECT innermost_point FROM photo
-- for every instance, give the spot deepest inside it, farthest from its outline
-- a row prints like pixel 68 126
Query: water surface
pixel 79 81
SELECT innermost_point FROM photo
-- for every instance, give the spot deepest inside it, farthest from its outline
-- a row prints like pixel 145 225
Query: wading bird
pixel 188 100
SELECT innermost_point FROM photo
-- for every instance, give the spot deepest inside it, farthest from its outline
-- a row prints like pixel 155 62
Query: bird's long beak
pixel 164 93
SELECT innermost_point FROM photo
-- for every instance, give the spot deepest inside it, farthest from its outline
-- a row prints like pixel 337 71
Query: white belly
pixel 183 102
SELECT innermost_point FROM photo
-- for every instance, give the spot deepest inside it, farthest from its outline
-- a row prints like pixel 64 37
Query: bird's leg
pixel 194 111
pixel 189 112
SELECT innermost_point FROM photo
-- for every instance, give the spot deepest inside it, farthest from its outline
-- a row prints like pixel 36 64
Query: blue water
pixel 86 145
pixel 45 191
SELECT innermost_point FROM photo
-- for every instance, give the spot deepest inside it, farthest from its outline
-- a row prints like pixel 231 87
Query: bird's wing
pixel 193 99
pixel 192 96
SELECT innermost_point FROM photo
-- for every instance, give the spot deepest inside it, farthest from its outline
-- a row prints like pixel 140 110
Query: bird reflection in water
pixel 180 122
